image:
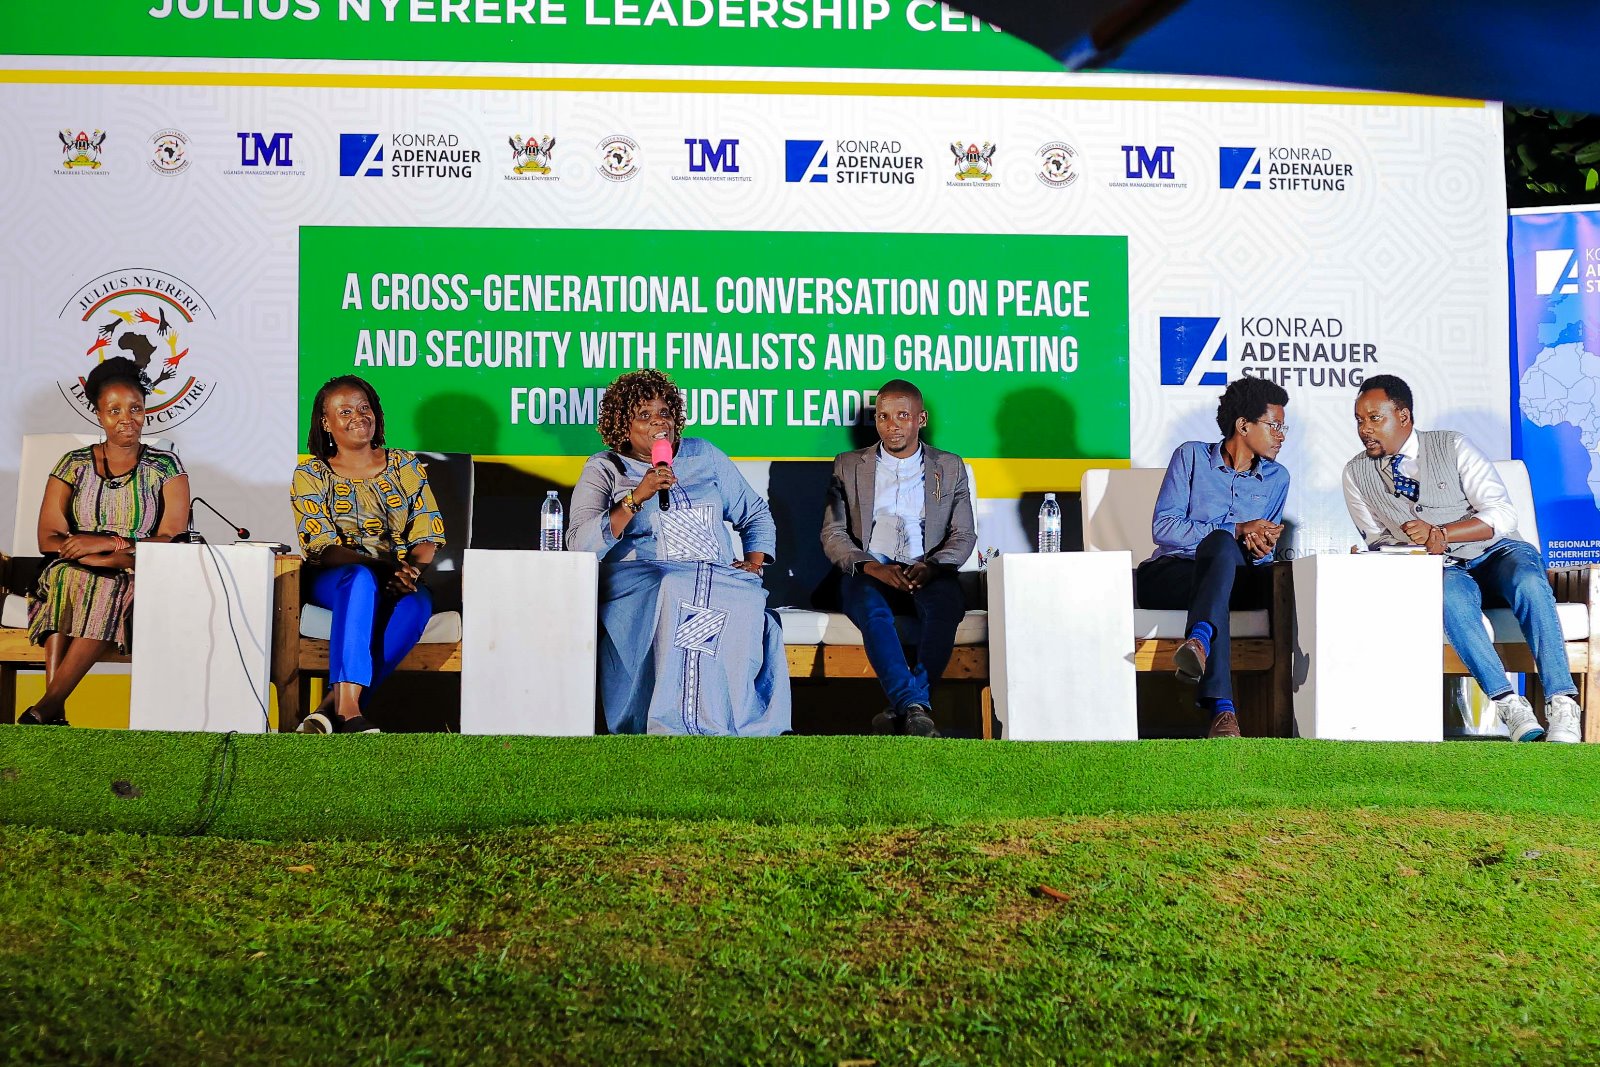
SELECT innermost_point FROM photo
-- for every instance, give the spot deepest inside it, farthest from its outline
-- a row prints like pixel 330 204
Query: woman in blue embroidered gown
pixel 687 645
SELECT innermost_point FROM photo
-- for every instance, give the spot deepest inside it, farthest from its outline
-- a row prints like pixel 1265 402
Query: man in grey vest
pixel 1433 488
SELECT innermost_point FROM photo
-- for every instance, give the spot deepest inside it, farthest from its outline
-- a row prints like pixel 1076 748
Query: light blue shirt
pixel 1202 493
pixel 899 508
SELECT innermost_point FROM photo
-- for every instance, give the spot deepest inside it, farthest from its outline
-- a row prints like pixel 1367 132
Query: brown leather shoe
pixel 1190 660
pixel 1224 725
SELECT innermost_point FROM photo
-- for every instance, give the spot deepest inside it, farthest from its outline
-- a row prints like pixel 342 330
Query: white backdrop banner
pixel 165 209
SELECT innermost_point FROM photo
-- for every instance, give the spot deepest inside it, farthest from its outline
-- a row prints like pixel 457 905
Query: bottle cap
pixel 551 492
pixel 1049 496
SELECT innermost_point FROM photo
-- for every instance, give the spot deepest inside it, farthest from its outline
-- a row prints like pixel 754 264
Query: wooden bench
pixel 1263 667
pixel 296 659
pixel 18 653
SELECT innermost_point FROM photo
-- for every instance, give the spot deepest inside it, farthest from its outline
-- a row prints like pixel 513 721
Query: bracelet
pixel 631 504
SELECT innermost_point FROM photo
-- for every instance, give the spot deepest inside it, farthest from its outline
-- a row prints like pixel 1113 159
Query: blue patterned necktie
pixel 1406 487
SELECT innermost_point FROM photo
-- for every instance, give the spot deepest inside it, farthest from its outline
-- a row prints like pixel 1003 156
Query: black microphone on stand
pixel 194 537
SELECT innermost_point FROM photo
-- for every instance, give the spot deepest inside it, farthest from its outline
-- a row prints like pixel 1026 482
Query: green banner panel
pixel 500 341
pixel 880 34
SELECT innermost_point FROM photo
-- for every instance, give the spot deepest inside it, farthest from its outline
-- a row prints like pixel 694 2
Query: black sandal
pixel 31 717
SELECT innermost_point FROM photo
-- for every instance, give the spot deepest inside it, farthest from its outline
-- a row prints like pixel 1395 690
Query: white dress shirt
pixel 1483 487
pixel 898 509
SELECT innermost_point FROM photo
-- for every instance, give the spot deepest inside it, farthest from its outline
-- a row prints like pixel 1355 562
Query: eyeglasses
pixel 1279 428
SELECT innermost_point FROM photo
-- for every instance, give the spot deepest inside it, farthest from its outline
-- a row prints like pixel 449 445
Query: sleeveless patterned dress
pixel 90 601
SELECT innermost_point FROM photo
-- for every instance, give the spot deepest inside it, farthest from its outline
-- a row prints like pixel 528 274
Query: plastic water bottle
pixel 551 523
pixel 1049 524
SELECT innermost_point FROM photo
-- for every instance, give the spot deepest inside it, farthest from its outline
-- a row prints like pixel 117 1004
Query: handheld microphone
pixel 661 456
pixel 193 536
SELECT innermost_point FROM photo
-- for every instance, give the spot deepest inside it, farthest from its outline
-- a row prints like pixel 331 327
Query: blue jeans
pixel 368 626
pixel 872 606
pixel 1510 574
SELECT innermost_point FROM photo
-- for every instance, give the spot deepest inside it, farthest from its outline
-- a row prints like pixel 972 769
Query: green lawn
pixel 1291 937
pixel 802 901
pixel 400 785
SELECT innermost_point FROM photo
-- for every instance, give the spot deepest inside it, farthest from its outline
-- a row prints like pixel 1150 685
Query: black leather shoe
pixel 31 717
pixel 1190 661
pixel 919 723
pixel 887 722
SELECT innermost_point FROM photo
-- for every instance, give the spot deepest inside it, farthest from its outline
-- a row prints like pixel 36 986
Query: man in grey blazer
pixel 898 525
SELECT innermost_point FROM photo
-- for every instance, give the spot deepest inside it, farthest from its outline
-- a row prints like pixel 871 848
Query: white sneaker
pixel 1517 714
pixel 1563 715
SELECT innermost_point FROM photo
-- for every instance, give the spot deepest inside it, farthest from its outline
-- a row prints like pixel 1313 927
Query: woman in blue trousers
pixel 368 527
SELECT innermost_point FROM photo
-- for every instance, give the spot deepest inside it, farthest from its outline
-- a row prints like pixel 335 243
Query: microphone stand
pixel 194 537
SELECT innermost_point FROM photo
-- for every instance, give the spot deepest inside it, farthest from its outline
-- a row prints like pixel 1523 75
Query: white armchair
pixel 1577 591
pixel 40 451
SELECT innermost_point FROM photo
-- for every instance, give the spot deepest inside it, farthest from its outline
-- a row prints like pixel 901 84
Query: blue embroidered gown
pixel 687 645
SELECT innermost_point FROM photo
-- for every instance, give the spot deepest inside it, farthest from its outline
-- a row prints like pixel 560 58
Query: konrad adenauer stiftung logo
pixel 152 318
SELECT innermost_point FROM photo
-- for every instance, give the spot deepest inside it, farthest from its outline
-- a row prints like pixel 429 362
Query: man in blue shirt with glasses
pixel 1216 525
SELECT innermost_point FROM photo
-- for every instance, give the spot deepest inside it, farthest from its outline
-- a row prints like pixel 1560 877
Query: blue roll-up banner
pixel 1555 375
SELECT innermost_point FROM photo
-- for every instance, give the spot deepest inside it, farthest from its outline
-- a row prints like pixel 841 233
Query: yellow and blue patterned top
pixel 384 516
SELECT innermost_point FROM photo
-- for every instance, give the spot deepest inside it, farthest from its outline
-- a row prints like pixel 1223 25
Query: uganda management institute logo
pixel 81 151
pixel 712 161
pixel 1058 165
pixel 169 152
pixel 532 159
pixel 619 158
pixel 150 317
pixel 973 164
pixel 265 153
pixel 1150 167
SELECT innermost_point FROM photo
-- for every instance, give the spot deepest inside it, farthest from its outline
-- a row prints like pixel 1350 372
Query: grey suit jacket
pixel 949 532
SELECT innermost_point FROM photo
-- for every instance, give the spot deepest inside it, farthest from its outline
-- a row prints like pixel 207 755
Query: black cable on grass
pixel 216 787
pixel 227 602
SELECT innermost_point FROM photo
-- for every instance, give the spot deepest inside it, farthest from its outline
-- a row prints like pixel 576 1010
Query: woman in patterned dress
pixel 687 643
pixel 369 528
pixel 98 503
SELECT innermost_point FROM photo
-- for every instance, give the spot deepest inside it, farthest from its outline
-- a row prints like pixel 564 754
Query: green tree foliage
pixel 1552 157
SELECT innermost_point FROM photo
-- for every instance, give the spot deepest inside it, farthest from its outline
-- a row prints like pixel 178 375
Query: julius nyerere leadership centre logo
pixel 618 158
pixel 169 152
pixel 151 317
